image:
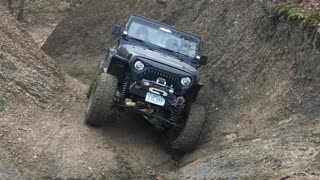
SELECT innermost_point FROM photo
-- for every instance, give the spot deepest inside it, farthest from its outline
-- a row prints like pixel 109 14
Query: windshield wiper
pixel 142 42
pixel 136 39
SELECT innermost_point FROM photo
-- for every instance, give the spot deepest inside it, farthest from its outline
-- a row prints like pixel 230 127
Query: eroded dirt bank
pixel 262 97
pixel 262 93
pixel 42 130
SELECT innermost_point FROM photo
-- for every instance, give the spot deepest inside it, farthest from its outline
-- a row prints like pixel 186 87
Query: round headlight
pixel 185 81
pixel 139 65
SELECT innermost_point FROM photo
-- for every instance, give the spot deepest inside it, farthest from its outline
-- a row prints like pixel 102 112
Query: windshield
pixel 164 38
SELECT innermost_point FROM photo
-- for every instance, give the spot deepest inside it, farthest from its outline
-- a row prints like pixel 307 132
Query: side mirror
pixel 116 30
pixel 203 60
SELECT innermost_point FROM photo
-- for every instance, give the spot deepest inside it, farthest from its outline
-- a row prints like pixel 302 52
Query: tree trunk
pixel 21 9
pixel 10 7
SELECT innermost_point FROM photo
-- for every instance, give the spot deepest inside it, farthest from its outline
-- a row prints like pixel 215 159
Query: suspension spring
pixel 174 116
pixel 124 87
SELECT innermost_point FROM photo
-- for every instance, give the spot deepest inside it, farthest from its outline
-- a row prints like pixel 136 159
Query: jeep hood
pixel 160 57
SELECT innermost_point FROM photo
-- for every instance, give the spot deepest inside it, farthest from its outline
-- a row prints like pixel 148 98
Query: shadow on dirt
pixel 131 126
pixel 138 146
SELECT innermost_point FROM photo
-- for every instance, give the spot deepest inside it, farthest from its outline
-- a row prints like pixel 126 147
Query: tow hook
pixel 179 101
pixel 133 84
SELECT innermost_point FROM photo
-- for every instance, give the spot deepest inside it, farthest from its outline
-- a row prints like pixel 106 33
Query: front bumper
pixel 140 89
pixel 136 101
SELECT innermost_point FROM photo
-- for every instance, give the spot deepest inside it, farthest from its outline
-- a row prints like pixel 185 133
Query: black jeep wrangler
pixel 152 70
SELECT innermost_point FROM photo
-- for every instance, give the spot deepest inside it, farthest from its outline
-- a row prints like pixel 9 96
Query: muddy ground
pixel 261 96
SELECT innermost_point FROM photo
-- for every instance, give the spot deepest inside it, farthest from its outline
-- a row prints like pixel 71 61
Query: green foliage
pixel 308 17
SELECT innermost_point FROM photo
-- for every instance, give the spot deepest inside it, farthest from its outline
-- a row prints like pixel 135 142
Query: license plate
pixel 155 99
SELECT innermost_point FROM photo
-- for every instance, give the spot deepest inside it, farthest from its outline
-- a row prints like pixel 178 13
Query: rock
pixel 231 137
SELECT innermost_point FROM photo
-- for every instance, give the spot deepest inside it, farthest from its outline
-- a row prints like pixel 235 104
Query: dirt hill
pixel 261 96
pixel 42 130
pixel 262 81
pixel 27 74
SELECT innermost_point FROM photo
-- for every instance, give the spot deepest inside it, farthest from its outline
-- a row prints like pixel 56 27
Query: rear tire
pixel 187 138
pixel 101 99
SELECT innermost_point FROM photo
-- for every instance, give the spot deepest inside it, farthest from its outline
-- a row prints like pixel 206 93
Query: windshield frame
pixel 159 25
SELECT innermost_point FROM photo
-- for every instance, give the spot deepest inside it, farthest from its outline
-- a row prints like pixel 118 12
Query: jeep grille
pixel 151 74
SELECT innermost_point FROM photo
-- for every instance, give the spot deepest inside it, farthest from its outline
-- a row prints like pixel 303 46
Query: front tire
pixel 187 138
pixel 101 99
pixel 98 73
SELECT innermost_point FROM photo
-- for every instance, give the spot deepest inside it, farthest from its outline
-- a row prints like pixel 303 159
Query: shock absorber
pixel 174 116
pixel 124 87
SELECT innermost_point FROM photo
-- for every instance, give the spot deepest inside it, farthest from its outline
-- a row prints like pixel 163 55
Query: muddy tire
pixel 99 71
pixel 101 100
pixel 187 138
